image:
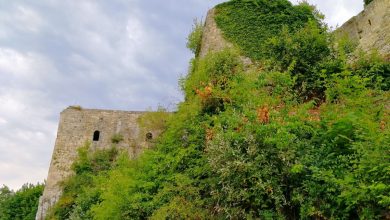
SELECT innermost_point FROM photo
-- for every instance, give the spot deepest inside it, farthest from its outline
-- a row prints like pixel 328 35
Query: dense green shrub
pixel 375 68
pixel 22 204
pixel 209 80
pixel 301 53
pixel 194 39
pixel 81 190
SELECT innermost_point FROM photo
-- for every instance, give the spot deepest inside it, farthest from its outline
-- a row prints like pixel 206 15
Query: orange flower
pixel 382 125
pixel 263 115
pixel 206 93
pixel 209 134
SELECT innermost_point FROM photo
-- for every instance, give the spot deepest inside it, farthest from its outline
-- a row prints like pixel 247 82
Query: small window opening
pixel 96 135
pixel 369 22
pixel 149 136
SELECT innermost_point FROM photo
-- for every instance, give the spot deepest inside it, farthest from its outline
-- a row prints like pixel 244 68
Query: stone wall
pixel 371 28
pixel 212 39
pixel 76 127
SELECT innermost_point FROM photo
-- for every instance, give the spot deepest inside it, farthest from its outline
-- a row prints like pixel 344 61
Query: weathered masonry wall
pixel 76 127
pixel 212 39
pixel 371 27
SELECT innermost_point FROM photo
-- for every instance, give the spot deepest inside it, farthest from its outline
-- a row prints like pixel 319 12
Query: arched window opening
pixel 149 136
pixel 96 135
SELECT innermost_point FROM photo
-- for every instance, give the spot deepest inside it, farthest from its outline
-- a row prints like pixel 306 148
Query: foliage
pixel 21 204
pixel 366 2
pixel 80 190
pixel 306 139
pixel 375 68
pixel 116 138
pixel 249 24
pixel 154 121
pixel 301 53
pixel 76 107
pixel 194 39
pixel 288 38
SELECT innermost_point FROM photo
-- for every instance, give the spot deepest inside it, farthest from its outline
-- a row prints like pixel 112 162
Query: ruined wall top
pixel 212 39
pixel 371 27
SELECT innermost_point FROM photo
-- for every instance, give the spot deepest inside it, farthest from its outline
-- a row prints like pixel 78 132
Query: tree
pixel 21 204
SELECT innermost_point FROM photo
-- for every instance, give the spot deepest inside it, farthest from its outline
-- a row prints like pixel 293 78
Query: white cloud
pixel 28 69
pixel 336 11
pixel 27 19
pixel 25 137
pixel 19 19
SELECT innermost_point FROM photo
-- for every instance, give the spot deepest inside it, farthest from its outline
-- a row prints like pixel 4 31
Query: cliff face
pixel 371 28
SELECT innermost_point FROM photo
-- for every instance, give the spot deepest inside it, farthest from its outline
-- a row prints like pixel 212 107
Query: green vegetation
pixel 76 107
pixel 154 121
pixel 80 191
pixel 249 24
pixel 302 133
pixel 116 138
pixel 195 38
pixel 22 204
pixel 366 2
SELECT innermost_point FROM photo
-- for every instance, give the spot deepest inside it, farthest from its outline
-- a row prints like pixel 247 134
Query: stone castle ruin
pixel 370 29
pixel 100 128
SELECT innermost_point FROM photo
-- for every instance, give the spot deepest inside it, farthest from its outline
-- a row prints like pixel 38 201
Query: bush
pixel 194 39
pixel 301 53
pixel 81 191
pixel 211 78
pixel 375 68
pixel 116 138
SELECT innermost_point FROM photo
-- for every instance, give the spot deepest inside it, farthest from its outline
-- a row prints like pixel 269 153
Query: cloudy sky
pixel 117 54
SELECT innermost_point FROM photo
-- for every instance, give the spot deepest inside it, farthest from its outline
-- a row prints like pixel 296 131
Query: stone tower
pixel 78 126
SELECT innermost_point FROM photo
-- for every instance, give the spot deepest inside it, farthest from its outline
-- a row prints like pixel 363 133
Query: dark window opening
pixel 96 135
pixel 149 136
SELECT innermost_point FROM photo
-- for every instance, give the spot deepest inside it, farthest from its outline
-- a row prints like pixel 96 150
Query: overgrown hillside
pixel 302 133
